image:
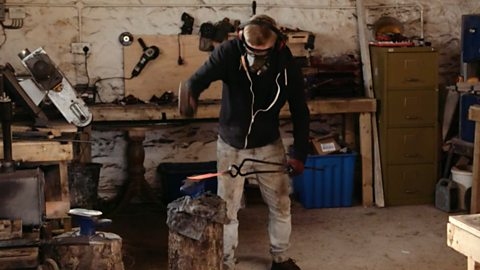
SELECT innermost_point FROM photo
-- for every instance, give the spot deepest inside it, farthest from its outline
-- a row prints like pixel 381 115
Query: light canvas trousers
pixel 275 191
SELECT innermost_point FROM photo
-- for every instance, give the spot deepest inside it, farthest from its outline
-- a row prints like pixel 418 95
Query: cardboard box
pixel 325 146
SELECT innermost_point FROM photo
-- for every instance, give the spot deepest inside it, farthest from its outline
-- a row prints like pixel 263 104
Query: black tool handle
pixel 142 43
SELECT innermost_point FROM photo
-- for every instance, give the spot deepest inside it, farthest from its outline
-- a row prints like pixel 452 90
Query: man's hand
pixel 187 105
pixel 295 167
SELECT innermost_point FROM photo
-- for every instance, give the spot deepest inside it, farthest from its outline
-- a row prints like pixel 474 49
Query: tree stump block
pixel 195 240
pixel 204 254
pixel 101 251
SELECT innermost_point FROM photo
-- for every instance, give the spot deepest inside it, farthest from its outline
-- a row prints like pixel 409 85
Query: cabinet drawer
pixel 410 184
pixel 411 108
pixel 412 70
pixel 411 145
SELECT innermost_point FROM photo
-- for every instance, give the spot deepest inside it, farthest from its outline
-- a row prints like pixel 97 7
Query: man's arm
pixel 299 111
pixel 189 91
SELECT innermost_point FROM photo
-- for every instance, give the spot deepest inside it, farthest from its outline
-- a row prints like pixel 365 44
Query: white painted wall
pixel 54 24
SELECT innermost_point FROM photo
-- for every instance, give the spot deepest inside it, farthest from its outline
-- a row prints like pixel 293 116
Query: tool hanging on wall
pixel 126 39
pixel 187 27
pixel 180 59
pixel 49 81
pixel 149 53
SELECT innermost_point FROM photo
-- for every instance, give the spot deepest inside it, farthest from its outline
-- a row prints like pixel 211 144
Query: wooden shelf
pixel 149 112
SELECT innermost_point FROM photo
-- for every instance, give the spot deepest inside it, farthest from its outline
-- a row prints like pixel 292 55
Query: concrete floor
pixel 393 238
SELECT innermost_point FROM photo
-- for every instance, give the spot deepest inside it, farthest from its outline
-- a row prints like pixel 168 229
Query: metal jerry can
pixel 446 195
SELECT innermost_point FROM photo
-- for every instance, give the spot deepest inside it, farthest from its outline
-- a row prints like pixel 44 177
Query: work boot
pixel 286 265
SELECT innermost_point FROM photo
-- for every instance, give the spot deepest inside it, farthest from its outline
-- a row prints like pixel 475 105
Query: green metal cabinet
pixel 405 82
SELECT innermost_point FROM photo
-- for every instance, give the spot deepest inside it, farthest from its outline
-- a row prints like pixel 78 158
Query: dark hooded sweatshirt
pixel 250 106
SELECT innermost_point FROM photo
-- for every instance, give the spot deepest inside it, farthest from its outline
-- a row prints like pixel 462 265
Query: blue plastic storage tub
pixel 466 126
pixel 172 174
pixel 330 187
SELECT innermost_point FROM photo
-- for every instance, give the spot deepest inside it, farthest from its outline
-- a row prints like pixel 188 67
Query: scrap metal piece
pixel 22 196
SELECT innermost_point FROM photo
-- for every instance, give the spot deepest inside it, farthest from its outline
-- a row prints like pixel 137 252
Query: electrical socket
pixel 77 47
pixel 2 10
pixel 16 13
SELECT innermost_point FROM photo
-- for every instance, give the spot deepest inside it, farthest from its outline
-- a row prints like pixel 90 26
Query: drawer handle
pixel 408 191
pixel 412 80
pixel 411 117
pixel 411 155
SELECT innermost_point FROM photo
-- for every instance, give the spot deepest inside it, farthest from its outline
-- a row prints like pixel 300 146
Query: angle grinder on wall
pixel 149 53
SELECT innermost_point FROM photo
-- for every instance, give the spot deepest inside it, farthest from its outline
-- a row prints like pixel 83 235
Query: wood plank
pixel 54 127
pixel 19 258
pixel 63 179
pixel 17 252
pixel 10 229
pixel 349 134
pixel 366 155
pixel 470 223
pixel 37 151
pixel 474 113
pixel 475 202
pixel 368 86
pixel 84 148
pixel 145 112
pixel 57 209
pixel 463 241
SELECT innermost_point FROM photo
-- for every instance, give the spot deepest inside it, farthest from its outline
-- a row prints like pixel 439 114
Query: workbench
pixel 463 235
pixel 474 115
pixel 42 151
pixel 129 114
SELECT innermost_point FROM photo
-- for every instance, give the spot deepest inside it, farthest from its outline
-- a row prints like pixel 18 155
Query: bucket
pixel 83 184
pixel 462 175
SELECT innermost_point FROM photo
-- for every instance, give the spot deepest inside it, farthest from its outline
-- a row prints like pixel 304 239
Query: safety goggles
pixel 257 52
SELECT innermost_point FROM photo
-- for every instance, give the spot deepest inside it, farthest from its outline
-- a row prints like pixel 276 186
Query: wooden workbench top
pixel 208 110
pixel 40 151
pixel 470 223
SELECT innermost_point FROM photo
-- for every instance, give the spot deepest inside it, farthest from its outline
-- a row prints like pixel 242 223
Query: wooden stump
pixel 102 251
pixel 203 254
pixel 195 239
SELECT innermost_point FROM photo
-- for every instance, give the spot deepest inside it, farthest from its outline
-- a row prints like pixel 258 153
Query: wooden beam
pixel 474 115
pixel 57 209
pixel 36 151
pixel 368 87
pixel 148 112
pixel 366 156
pixel 349 131
pixel 475 202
